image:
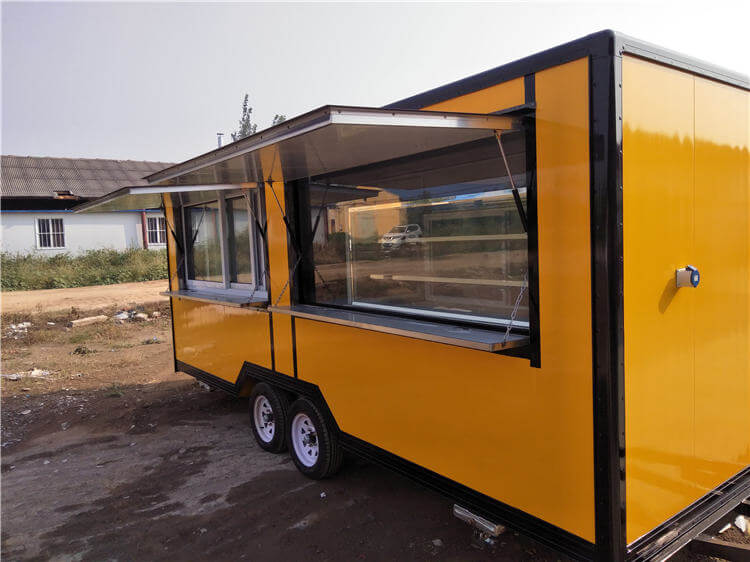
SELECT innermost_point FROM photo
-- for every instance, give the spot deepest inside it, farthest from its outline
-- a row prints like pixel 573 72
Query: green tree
pixel 278 119
pixel 247 127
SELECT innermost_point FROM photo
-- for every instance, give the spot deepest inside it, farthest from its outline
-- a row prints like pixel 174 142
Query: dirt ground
pixel 83 298
pixel 109 455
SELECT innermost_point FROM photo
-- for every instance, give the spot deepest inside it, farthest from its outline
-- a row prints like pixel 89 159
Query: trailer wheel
pixel 268 417
pixel 313 444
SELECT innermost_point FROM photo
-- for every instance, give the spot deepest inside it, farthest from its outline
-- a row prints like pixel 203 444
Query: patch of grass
pixel 115 390
pixel 119 346
pixel 80 337
pixel 83 350
pixel 102 332
pixel 95 267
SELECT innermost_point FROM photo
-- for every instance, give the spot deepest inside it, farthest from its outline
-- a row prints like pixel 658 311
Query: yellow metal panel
pixel 521 435
pixel 282 344
pixel 174 282
pixel 722 303
pixel 278 258
pixel 685 201
pixel 657 239
pixel 218 339
pixel 277 234
pixel 494 98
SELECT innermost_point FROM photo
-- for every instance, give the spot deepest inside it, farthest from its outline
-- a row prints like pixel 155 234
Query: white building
pixel 37 194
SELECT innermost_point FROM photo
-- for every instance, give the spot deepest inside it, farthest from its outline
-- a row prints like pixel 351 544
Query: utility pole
pixel 218 138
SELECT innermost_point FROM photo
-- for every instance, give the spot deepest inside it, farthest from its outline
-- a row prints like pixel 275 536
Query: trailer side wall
pixel 687 351
pixel 521 435
pixel 214 338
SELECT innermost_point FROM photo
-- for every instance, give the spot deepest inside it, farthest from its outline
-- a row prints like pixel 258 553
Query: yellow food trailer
pixel 528 289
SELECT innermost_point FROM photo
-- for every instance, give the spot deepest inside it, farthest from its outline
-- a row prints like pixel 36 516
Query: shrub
pixel 96 267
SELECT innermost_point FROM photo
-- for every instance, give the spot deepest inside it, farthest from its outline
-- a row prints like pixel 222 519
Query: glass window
pixel 204 254
pixel 50 233
pixel 157 230
pixel 438 235
pixel 224 249
pixel 240 248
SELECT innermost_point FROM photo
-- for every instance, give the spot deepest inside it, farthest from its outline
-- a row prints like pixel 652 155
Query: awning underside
pixel 147 197
pixel 327 140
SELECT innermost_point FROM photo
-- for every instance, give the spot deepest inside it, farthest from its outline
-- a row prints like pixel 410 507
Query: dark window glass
pixel 434 235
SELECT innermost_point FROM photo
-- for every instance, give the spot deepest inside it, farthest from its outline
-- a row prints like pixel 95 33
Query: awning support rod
pixel 516 193
pixel 522 215
pixel 295 244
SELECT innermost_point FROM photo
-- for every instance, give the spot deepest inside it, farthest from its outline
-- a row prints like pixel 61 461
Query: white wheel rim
pixel 264 419
pixel 305 440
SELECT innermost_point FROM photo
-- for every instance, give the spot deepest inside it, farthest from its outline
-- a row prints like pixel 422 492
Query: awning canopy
pixel 146 197
pixel 329 139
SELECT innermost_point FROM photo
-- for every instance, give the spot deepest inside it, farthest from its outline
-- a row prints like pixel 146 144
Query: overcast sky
pixel 157 81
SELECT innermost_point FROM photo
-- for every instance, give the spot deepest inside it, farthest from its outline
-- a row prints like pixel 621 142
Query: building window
pixel 50 233
pixel 437 235
pixel 157 230
pixel 223 248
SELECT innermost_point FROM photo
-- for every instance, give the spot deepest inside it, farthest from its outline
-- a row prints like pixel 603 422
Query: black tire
pixel 279 405
pixel 329 453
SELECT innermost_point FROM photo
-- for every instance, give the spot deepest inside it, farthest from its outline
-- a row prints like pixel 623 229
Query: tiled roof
pixel 32 176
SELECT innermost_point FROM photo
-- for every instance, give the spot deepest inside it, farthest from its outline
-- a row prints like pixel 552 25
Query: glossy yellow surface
pixel 278 260
pixel 219 339
pixel 521 435
pixel 687 375
pixel 174 282
pixel 722 248
pixel 494 98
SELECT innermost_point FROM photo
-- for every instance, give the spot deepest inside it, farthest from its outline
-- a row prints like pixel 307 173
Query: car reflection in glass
pixel 399 235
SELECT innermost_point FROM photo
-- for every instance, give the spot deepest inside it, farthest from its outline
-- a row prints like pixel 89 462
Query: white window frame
pixel 38 233
pixel 257 256
pixel 160 230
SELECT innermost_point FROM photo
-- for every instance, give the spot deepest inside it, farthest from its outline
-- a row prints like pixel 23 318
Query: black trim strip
pixel 596 44
pixel 253 372
pixel 294 346
pixel 605 141
pixel 273 347
pixel 535 353
pixel 212 380
pixel 483 505
pixel 580 48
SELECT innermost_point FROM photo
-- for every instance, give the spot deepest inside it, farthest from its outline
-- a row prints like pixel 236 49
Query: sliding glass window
pixel 204 260
pixel 224 251
pixel 437 235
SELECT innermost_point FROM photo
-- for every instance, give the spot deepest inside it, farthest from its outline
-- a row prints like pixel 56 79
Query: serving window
pixel 223 251
pixel 437 236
